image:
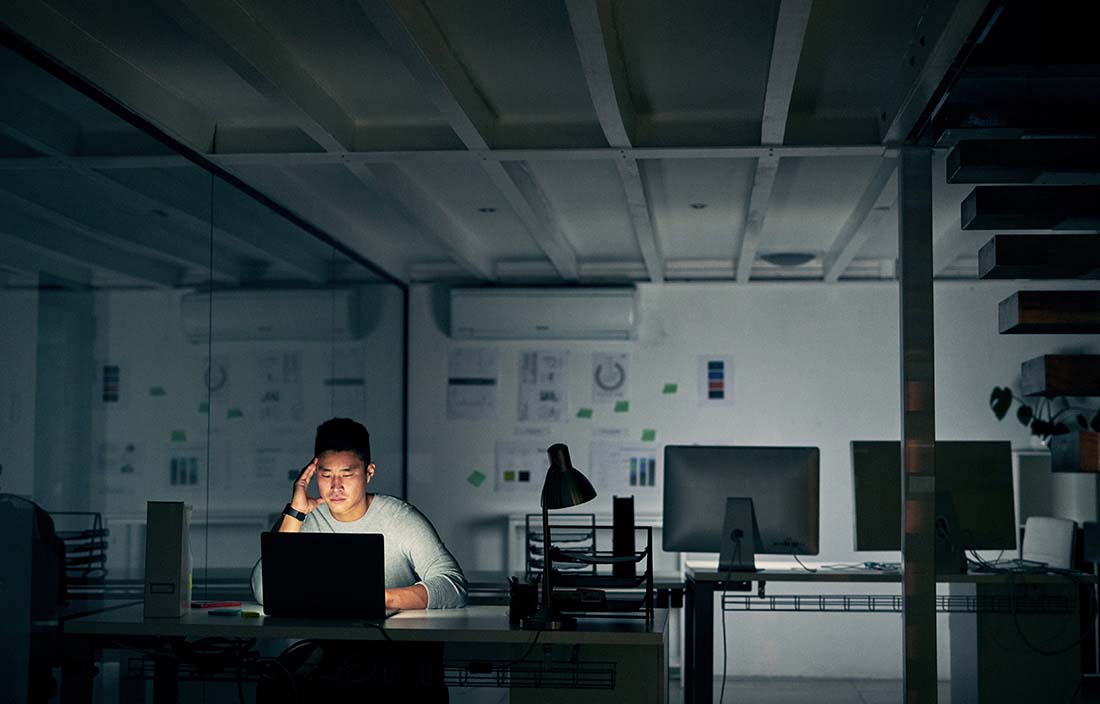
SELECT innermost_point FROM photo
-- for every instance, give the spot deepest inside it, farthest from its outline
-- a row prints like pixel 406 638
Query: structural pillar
pixel 918 426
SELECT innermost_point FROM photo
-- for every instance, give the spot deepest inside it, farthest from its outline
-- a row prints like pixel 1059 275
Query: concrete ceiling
pixel 582 141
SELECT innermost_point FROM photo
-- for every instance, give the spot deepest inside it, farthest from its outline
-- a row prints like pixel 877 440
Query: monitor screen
pixel 976 475
pixel 783 483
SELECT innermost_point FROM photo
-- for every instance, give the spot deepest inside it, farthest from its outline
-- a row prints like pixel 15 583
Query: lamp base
pixel 548 620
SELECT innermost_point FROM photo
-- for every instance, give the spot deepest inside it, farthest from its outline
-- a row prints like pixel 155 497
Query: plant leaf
pixel 1059 429
pixel 1024 415
pixel 1000 400
pixel 1082 421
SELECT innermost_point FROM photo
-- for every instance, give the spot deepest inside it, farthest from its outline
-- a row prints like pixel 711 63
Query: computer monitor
pixel 976 476
pixel 783 483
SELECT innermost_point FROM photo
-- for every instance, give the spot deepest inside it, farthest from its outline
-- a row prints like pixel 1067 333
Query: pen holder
pixel 522 600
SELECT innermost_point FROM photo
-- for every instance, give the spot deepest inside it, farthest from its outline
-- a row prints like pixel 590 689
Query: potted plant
pixel 1043 421
pixel 1074 446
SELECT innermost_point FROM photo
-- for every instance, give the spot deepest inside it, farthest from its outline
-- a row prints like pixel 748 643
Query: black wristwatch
pixel 294 513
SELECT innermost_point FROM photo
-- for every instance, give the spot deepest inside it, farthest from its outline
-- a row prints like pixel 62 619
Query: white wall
pixel 813 364
pixel 142 331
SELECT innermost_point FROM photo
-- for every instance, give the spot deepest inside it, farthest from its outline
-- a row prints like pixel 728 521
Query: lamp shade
pixel 565 486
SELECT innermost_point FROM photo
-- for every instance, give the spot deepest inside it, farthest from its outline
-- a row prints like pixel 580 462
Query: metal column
pixel 918 425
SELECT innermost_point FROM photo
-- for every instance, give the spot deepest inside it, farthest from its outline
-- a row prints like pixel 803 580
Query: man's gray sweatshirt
pixel 414 552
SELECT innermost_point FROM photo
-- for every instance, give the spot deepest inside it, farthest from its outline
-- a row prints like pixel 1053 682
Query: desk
pixel 984 667
pixel 638 652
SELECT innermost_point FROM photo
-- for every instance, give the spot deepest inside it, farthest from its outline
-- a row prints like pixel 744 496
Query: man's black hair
pixel 342 435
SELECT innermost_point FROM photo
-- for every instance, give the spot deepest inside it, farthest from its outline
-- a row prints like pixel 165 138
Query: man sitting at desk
pixel 420 572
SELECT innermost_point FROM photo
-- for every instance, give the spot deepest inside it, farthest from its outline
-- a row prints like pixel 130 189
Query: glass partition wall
pixel 168 335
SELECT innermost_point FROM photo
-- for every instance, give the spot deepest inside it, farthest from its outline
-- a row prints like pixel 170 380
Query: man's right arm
pixel 300 501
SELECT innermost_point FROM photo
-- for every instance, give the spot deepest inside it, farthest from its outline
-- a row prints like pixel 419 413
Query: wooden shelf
pixel 1067 161
pixel 1040 257
pixel 1050 312
pixel 1032 208
pixel 1061 375
pixel 1075 452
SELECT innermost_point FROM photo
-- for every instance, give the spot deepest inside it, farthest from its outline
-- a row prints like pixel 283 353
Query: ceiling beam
pixel 462 245
pixel 605 73
pixel 70 240
pixel 72 46
pixel 790 30
pixel 239 38
pixel 411 31
pixel 339 224
pixel 450 156
pixel 18 254
pixel 857 229
pixel 40 127
pixel 938 38
pixel 124 232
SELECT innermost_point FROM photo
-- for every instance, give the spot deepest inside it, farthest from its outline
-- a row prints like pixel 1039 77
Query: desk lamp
pixel 565 486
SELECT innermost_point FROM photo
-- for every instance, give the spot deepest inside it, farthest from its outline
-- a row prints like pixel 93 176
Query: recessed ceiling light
pixel 788 258
pixel 486 210
pixel 698 206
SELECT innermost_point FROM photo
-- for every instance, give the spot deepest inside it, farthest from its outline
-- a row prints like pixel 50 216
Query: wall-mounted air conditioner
pixel 543 313
pixel 317 315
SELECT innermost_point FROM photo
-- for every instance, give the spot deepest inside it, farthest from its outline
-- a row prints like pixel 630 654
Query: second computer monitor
pixel 783 483
pixel 976 476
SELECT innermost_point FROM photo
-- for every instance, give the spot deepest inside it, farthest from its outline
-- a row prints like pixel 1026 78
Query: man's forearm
pixel 290 524
pixel 407 598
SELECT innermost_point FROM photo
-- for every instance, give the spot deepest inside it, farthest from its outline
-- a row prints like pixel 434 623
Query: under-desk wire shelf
pixel 892 603
pixel 556 674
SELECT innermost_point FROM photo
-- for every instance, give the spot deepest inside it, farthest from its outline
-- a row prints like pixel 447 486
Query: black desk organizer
pixel 584 583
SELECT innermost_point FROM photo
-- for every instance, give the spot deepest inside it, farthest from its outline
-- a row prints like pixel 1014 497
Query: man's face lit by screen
pixel 342 480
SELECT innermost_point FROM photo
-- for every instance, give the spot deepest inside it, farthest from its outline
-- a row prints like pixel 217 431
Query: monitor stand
pixel 740 537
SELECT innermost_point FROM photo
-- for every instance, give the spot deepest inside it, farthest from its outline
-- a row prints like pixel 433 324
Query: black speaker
pixel 622 534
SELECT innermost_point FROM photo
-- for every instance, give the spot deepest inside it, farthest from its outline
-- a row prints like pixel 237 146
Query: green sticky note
pixel 157 391
pixel 670 388
pixel 476 478
pixel 649 435
pixel 179 436
pixel 509 476
pixel 622 406
pixel 204 407
pixel 234 413
pixel 584 412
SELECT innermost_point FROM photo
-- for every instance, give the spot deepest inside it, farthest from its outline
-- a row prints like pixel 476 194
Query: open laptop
pixel 324 575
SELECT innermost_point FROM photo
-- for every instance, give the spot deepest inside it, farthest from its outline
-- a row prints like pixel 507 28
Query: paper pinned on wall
pixel 346 383
pixel 715 380
pixel 626 468
pixel 120 468
pixel 542 385
pixel 279 398
pixel 520 465
pixel 610 376
pixel 472 383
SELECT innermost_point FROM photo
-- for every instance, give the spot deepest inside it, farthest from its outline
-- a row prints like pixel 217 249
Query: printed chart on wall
pixel 280 384
pixel 610 376
pixel 715 380
pixel 521 465
pixel 624 467
pixel 472 384
pixel 542 386
pixel 346 383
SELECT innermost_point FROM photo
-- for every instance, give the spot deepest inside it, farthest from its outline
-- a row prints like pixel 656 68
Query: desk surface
pixel 471 624
pixel 711 574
